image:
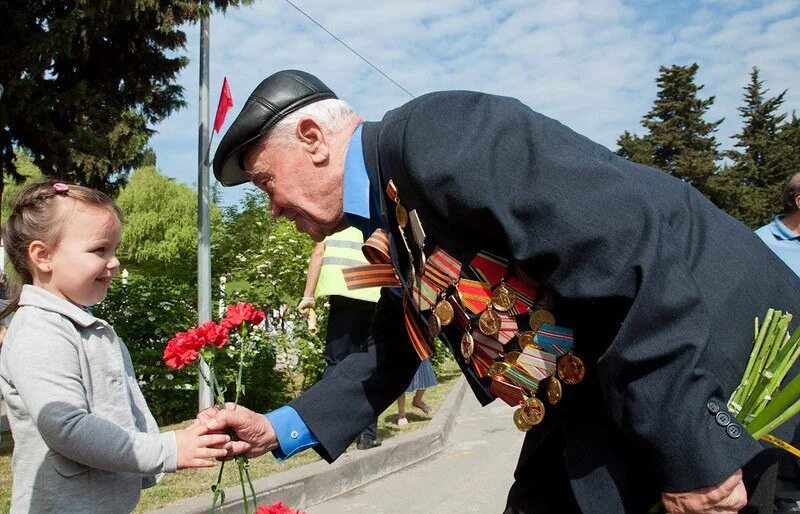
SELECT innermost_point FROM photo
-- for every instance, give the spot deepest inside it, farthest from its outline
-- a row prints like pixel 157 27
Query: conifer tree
pixel 678 141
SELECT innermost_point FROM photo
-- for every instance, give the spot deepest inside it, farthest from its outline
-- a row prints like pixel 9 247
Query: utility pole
pixel 203 207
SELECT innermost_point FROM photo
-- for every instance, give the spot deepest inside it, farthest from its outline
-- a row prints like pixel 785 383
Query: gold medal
pixel 553 390
pixel 497 369
pixel 467 345
pixel 540 317
pixel 527 339
pixel 489 322
pixel 570 369
pixel 434 325
pixel 401 214
pixel 445 312
pixel 511 357
pixel 503 298
pixel 533 411
pixel 522 425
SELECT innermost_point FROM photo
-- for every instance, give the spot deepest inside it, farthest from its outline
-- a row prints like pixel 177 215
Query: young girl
pixel 85 440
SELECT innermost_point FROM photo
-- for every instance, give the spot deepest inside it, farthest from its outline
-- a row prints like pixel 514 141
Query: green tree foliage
pixel 83 80
pixel 678 140
pixel 749 188
pixel 159 233
pixel 31 175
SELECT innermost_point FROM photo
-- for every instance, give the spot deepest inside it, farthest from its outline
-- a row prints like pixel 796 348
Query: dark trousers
pixel 349 322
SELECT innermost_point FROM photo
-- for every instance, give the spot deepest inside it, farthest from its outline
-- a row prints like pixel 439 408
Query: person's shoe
pixel 365 443
pixel 424 407
pixel 402 421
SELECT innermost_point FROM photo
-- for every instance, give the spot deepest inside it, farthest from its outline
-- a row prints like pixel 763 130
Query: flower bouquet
pixel 758 403
pixel 277 508
pixel 201 344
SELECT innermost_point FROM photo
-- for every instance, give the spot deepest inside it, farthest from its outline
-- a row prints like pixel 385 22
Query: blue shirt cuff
pixel 292 432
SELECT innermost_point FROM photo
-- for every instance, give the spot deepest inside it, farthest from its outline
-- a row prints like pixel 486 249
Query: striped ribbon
pixel 508 329
pixel 481 362
pixel 536 363
pixel 555 339
pixel 370 275
pixel 526 295
pixel 423 295
pixel 475 294
pixel 443 268
pixel 510 393
pixel 522 379
pixel 489 345
pixel 417 334
pixel 490 268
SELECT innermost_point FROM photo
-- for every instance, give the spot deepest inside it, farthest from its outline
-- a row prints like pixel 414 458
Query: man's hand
pixel 306 304
pixel 729 496
pixel 255 433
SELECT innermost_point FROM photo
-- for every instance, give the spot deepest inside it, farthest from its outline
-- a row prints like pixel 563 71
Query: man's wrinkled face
pixel 300 187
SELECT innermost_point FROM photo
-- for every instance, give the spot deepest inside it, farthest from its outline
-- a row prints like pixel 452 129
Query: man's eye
pixel 102 249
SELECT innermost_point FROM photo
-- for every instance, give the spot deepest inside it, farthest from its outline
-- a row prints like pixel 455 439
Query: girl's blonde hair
pixel 35 217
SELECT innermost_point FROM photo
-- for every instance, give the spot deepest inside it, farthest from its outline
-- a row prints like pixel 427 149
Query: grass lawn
pixel 189 483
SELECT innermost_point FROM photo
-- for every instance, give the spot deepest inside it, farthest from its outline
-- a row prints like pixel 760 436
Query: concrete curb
pixel 314 483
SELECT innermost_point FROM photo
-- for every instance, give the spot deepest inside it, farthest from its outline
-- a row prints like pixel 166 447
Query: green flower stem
pixel 780 404
pixel 780 367
pixel 759 377
pixel 243 334
pixel 740 394
pixel 240 465
pixel 775 423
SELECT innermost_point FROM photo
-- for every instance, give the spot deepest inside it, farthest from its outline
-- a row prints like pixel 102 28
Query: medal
pixel 553 390
pixel 434 325
pixel 497 369
pixel 527 339
pixel 445 312
pixel 511 357
pixel 539 317
pixel 467 345
pixel 489 322
pixel 522 425
pixel 570 369
pixel 533 410
pixel 503 298
pixel 401 215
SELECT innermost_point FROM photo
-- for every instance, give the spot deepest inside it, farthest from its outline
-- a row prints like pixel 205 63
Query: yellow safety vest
pixel 342 250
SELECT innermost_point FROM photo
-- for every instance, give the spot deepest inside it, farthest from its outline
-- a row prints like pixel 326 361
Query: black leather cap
pixel 277 95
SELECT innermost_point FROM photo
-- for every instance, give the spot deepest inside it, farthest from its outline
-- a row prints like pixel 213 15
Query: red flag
pixel 224 105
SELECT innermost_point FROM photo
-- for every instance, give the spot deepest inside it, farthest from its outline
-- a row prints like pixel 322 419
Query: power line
pixel 349 48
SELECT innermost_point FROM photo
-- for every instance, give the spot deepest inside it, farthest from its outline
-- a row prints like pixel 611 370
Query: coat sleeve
pixel 46 372
pixel 338 407
pixel 575 218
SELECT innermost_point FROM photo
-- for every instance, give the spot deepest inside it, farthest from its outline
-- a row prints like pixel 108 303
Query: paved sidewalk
pixel 472 474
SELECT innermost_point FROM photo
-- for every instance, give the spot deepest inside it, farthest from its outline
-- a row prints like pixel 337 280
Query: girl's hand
pixel 195 447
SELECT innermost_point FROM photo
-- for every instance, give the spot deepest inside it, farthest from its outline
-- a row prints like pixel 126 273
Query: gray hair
pixel 333 114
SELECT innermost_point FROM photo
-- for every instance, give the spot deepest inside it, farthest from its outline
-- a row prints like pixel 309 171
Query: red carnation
pixel 213 334
pixel 182 349
pixel 241 313
pixel 277 508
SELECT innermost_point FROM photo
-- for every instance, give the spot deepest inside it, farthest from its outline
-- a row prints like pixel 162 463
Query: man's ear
pixel 312 136
pixel 797 202
pixel 39 253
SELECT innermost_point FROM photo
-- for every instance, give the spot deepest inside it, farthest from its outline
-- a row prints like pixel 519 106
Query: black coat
pixel 660 287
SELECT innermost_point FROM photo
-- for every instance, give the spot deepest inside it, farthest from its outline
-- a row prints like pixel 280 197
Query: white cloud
pixel 590 64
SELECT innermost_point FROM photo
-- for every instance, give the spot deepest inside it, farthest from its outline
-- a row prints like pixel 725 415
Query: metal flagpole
pixel 203 202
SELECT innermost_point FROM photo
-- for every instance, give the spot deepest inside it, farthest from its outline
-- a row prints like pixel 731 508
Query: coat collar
pixel 37 297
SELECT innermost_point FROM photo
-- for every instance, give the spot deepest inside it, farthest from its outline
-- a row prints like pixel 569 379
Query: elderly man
pixel 782 235
pixel 610 302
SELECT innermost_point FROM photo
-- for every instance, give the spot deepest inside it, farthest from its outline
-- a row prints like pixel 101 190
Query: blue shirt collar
pixel 358 202
pixel 781 231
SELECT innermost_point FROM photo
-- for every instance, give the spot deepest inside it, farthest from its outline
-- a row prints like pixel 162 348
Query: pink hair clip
pixel 60 187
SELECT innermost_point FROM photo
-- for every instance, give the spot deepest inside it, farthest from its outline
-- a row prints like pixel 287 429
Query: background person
pixel 782 235
pixel 350 313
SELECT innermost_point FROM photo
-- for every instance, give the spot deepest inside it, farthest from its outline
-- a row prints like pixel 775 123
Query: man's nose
pixel 113 263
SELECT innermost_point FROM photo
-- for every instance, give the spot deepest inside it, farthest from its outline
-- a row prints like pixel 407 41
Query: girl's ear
pixel 39 254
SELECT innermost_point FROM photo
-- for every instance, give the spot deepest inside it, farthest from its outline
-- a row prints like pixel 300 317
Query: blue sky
pixel 591 64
